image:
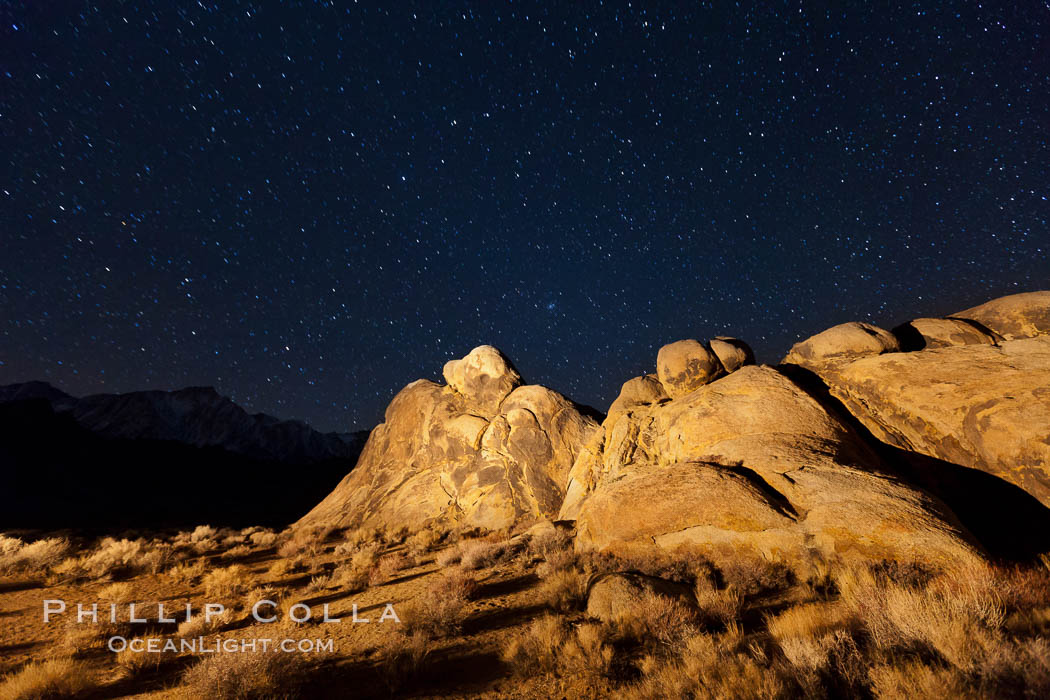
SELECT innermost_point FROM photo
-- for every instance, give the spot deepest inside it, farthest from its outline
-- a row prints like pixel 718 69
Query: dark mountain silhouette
pixel 153 458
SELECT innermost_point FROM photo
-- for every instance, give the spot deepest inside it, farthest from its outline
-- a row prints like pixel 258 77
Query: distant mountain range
pixel 158 457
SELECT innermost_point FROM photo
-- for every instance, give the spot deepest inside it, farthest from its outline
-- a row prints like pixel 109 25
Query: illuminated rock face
pixel 483 450
pixel 975 390
pixel 748 460
pixel 822 454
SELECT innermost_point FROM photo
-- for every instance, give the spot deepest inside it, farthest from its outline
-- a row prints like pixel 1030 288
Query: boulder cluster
pixel 484 450
pixel 854 445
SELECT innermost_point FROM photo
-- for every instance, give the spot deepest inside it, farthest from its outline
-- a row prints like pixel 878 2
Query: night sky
pixel 308 205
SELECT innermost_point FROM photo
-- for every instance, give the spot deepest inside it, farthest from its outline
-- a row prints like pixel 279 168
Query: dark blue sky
pixel 308 205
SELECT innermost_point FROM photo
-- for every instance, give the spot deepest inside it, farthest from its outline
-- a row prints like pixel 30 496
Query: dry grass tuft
pixel 116 593
pixel 135 663
pixel 718 606
pixel 54 678
pixel 224 582
pixel 586 652
pixel 657 618
pixel 536 650
pixel 36 557
pixel 403 658
pixel 957 616
pixel 387 567
pixel 440 611
pixel 424 541
pixel 263 538
pixel 243 675
pixel 708 667
pixel 198 625
pixel 185 572
pixel 564 590
pixel 480 554
pixel 915 679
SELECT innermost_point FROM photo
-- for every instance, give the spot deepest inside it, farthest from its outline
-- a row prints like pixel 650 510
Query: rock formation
pixel 863 443
pixel 749 459
pixel 976 392
pixel 483 450
pixel 1013 317
pixel 845 341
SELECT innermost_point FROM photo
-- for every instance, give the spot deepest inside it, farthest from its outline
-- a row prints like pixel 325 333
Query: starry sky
pixel 310 204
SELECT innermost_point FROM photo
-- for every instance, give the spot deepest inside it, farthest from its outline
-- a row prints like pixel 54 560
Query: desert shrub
pixel 680 568
pixel 241 550
pixel 958 616
pixel 366 556
pixel 558 559
pixel 134 663
pixel 202 533
pixel 228 581
pixel 113 557
pixel 480 554
pixel 657 619
pixel 10 545
pixel 283 567
pixel 263 538
pixel 707 667
pixel 54 678
pixel 185 572
pixel 398 535
pixel 307 541
pixel 564 589
pixel 243 675
pixel 116 593
pixel 449 557
pixel 439 611
pixel 586 653
pixel 424 541
pixel 722 606
pixel 15 555
pixel 157 557
pixel 363 536
pixel 198 625
pixel 353 578
pixel 232 540
pixel 915 679
pixel 547 541
pixel 403 657
pixel 389 565
pixel 536 650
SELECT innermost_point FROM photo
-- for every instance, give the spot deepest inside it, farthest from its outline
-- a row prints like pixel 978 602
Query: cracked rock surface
pixel 483 450
pixel 749 459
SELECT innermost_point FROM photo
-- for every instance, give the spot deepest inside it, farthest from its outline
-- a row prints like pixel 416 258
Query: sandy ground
pixel 467 664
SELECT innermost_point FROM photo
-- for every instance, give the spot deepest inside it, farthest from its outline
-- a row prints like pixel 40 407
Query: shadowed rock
pixel 732 353
pixel 942 333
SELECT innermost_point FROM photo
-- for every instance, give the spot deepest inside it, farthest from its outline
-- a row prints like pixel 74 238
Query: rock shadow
pixel 1006 520
pixel 500 618
pixel 507 586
